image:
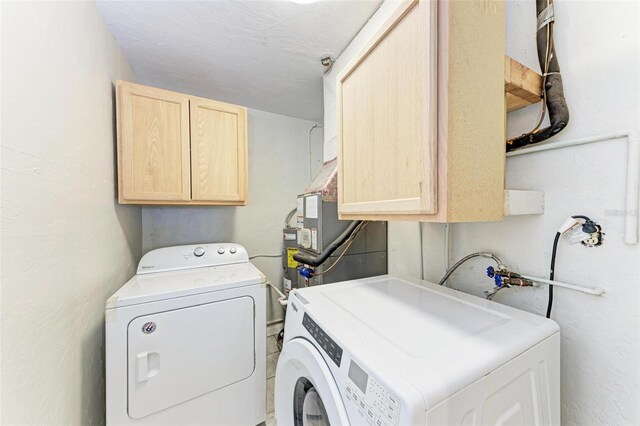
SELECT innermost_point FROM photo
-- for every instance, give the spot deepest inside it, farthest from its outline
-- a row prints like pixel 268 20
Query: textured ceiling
pixel 261 54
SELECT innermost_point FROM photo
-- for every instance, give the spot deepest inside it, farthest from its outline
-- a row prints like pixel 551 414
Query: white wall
pixel 598 47
pixel 278 172
pixel 66 244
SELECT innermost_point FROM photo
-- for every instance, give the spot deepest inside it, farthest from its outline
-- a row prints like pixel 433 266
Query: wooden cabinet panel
pixel 176 149
pixel 218 151
pixel 153 143
pixel 388 119
pixel 421 116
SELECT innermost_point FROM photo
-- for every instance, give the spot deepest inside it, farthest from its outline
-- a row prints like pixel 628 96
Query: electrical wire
pixel 349 242
pixel 545 73
pixel 552 272
pixel 336 262
pixel 579 216
pixel 552 269
pixel 286 225
pixel 468 257
pixel 289 216
pixel 265 255
pixel 314 260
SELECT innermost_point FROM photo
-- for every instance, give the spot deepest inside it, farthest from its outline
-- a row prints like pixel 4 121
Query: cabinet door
pixel 153 140
pixel 218 152
pixel 188 353
pixel 387 118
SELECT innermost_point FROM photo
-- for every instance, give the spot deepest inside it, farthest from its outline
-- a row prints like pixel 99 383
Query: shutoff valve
pixel 504 278
pixel 306 272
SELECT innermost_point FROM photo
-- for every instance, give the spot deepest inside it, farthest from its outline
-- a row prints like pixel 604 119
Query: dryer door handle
pixel 143 366
pixel 148 365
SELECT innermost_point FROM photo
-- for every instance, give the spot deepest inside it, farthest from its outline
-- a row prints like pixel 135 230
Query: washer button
pixel 392 400
pixel 221 250
pixel 198 252
pixel 233 250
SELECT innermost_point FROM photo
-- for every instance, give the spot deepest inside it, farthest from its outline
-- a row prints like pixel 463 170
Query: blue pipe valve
pixel 497 278
pixel 306 272
pixel 491 272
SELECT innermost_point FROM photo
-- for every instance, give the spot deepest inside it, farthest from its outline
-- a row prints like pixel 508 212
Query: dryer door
pixel 178 355
pixel 305 391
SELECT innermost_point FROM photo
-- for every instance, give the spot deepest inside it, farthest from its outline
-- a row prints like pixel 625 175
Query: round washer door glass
pixel 305 391
pixel 308 406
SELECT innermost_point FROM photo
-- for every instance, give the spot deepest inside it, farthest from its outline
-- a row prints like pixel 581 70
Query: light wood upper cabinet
pixel 178 149
pixel 218 151
pixel 388 121
pixel 421 116
pixel 154 144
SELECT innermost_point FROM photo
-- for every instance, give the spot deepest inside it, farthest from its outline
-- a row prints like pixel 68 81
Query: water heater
pixel 318 225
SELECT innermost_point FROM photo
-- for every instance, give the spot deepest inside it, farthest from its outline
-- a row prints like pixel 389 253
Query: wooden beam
pixel 522 85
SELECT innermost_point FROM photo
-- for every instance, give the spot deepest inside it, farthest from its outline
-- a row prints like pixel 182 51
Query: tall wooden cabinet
pixel 421 116
pixel 178 149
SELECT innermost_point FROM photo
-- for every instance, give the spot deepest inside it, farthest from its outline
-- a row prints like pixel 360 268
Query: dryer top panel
pixel 185 271
pixel 191 256
pixel 168 285
pixel 437 338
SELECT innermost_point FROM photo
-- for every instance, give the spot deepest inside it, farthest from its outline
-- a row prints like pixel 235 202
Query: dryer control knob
pixel 198 252
pixel 221 250
pixel 233 250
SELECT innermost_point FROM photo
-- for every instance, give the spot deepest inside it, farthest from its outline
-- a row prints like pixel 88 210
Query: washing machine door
pixel 305 391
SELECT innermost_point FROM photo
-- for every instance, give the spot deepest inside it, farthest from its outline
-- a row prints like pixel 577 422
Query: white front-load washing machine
pixel 389 351
pixel 185 340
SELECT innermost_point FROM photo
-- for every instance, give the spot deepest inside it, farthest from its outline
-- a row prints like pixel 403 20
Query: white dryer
pixel 390 351
pixel 185 340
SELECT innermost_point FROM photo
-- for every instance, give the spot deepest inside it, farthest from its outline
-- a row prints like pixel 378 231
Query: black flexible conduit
pixel 322 257
pixel 552 80
pixel 588 226
pixel 552 273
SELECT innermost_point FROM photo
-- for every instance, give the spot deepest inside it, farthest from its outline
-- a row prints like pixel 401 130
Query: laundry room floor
pixel 272 361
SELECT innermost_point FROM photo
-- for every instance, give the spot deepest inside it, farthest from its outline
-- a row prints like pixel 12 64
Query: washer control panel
pixel 374 403
pixel 326 343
